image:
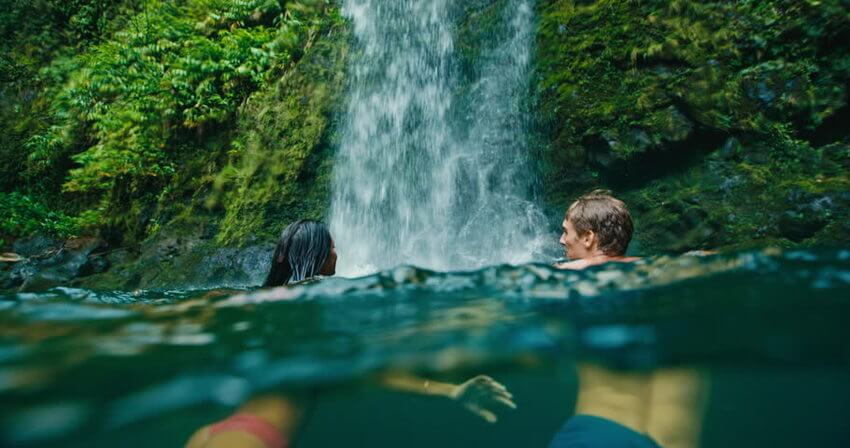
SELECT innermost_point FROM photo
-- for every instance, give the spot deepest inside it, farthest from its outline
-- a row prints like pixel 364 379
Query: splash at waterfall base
pixel 433 167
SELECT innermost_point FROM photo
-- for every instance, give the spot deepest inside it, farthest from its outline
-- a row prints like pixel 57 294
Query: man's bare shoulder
pixel 578 265
pixel 575 265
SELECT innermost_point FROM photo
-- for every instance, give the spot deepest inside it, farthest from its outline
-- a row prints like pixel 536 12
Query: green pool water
pixel 763 334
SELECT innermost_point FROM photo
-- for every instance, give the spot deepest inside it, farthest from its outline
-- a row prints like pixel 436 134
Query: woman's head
pixel 305 249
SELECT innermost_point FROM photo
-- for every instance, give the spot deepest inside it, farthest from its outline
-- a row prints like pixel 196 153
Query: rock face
pixel 45 263
pixel 184 264
pixel 166 262
pixel 810 214
pixel 716 122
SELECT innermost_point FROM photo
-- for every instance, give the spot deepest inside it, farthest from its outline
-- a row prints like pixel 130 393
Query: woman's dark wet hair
pixel 301 252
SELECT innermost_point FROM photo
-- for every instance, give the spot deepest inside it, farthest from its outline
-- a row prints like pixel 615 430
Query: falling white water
pixel 432 168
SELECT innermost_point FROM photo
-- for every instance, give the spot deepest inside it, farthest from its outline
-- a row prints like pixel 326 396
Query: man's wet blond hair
pixel 607 217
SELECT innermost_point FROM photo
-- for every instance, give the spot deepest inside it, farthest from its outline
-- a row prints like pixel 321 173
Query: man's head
pixel 596 224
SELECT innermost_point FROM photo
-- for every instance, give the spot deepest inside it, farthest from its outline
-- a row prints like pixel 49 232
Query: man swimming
pixel 617 408
pixel 597 229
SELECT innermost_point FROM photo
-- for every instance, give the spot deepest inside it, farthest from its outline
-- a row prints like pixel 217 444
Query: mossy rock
pixel 704 116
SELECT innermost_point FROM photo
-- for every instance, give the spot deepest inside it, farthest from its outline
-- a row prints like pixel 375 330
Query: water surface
pixel 764 333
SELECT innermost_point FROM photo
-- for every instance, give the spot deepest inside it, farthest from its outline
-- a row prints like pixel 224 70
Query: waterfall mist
pixel 433 165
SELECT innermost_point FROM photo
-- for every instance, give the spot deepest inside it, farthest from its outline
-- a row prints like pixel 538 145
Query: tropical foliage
pixel 174 68
pixel 124 93
pixel 25 216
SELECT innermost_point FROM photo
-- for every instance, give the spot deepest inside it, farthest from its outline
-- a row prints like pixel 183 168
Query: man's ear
pixel 588 239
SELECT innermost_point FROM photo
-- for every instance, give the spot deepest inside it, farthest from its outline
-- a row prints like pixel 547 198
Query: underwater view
pixel 749 349
pixel 454 223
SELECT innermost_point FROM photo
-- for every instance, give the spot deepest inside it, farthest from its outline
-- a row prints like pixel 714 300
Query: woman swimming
pixel 305 251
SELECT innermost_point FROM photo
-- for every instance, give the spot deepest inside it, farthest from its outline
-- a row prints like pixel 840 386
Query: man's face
pixel 574 247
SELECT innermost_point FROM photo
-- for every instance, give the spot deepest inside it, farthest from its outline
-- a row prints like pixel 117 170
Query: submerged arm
pixel 277 414
pixel 477 395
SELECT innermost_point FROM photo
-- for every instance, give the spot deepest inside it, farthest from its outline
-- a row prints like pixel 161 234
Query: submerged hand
pixel 480 394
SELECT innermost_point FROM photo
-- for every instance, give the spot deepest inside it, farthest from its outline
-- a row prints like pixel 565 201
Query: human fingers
pixel 490 380
pixel 503 393
pixel 505 401
pixel 499 390
pixel 481 379
pixel 496 385
pixel 488 416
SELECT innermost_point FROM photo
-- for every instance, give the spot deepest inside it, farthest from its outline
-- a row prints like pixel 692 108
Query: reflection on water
pixel 734 350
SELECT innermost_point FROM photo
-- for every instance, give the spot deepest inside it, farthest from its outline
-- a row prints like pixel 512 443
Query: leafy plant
pixel 25 216
pixel 125 112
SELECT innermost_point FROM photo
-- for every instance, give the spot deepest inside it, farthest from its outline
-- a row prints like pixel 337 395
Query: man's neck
pixel 595 260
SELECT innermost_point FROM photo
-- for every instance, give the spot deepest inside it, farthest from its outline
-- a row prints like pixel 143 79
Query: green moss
pixel 612 66
pixel 709 118
pixel 280 170
pixel 746 200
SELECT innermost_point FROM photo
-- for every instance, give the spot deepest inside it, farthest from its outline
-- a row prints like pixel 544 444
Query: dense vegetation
pixel 119 114
pixel 35 34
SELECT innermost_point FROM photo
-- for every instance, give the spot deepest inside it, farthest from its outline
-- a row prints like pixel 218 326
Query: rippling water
pixel 767 332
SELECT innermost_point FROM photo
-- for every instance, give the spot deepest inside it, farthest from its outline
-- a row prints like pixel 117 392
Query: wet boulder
pixel 665 134
pixel 7 262
pixel 36 246
pixel 182 263
pixel 45 263
pixel 670 125
pixel 613 148
pixel 731 148
pixel 809 216
pixel 678 225
pixel 798 226
pixel 781 89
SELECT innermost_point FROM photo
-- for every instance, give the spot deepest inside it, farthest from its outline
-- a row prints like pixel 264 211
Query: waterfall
pixel 433 166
